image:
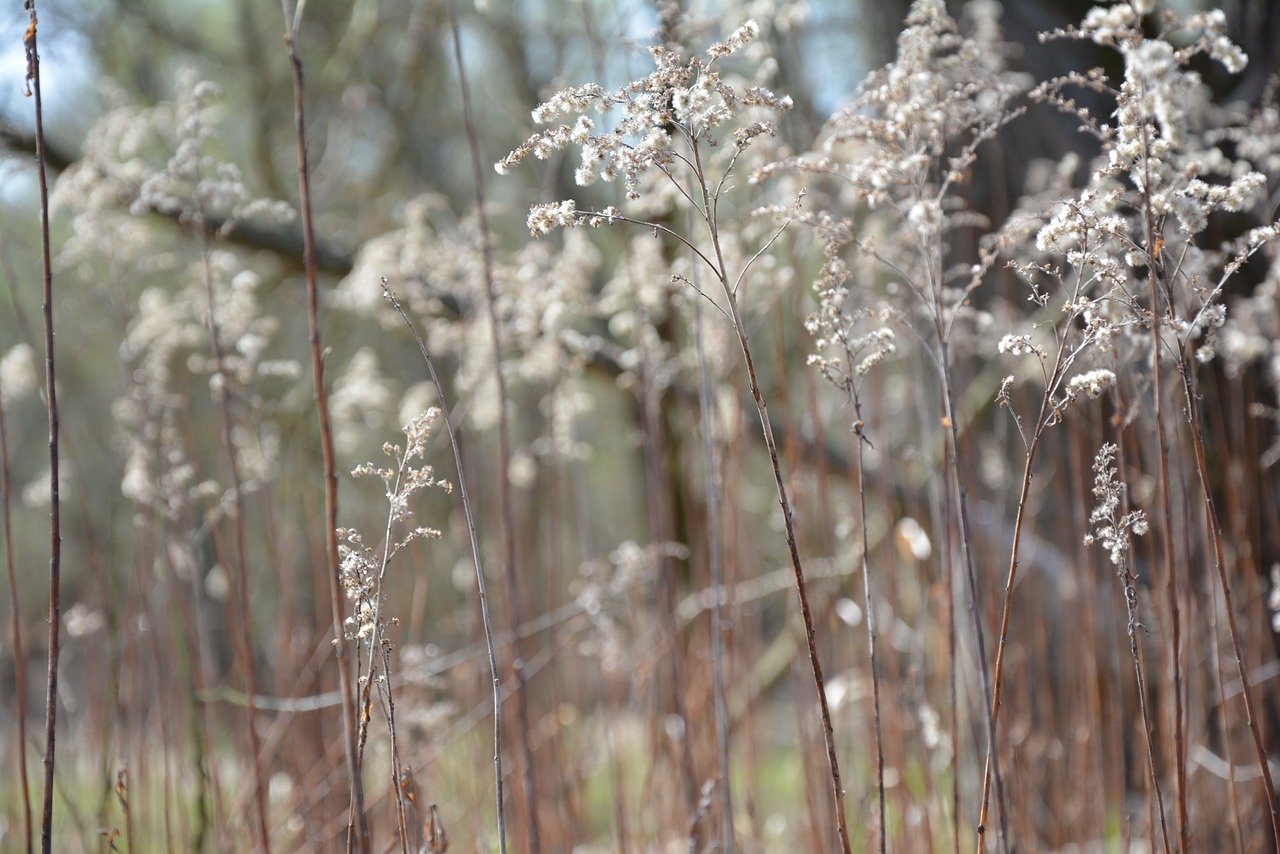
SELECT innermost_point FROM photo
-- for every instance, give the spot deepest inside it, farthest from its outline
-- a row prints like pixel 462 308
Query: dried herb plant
pixel 671 125
pixel 364 571
pixel 1015 390
pixel 437 839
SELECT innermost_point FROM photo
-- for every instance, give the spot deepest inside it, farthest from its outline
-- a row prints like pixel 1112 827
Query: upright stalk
pixel 476 560
pixel 507 512
pixel 51 396
pixel 357 823
pixel 1219 561
pixel 788 513
pixel 1153 240
pixel 957 492
pixel 868 606
pixel 717 586
pixel 243 635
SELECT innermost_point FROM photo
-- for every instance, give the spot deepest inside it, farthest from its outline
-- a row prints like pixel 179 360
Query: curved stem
pixel 475 556
pixel 788 513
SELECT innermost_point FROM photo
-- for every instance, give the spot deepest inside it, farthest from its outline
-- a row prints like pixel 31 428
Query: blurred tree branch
pixel 284 241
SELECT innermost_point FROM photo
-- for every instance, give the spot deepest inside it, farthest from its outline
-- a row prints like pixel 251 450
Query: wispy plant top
pixel 659 123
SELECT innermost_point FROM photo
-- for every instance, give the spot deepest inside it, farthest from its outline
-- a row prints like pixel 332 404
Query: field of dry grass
pixel 669 467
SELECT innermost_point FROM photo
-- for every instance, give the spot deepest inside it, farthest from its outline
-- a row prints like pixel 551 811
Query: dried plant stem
pixel 380 652
pixel 506 506
pixel 51 398
pixel 788 512
pixel 377 643
pixel 1047 416
pixel 389 713
pixel 19 659
pixel 1171 578
pixel 243 637
pixel 991 768
pixel 1223 729
pixel 868 606
pixel 122 795
pixel 958 493
pixel 1220 564
pixel 717 585
pixel 1133 626
pixel 1006 611
pixel 357 823
pixel 1153 238
pixel 485 617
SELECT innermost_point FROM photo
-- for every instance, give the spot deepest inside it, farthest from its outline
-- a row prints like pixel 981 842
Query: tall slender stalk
pixel 51 398
pixel 485 617
pixel 958 493
pixel 1171 579
pixel 1133 625
pixel 788 512
pixel 1049 414
pixel 1220 565
pixel 357 822
pixel 717 584
pixel 506 505
pixel 243 633
pixel 1153 239
pixel 868 606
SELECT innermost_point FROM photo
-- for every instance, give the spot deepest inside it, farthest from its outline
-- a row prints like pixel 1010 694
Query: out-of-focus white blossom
pixel 19 375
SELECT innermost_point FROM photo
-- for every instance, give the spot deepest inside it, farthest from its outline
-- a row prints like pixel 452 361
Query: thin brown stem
pixel 357 823
pixel 505 502
pixel 788 512
pixel 51 398
pixel 1133 627
pixel 485 617
pixel 1220 565
pixel 1153 241
pixel 717 587
pixel 997 678
pixel 243 634
pixel 868 606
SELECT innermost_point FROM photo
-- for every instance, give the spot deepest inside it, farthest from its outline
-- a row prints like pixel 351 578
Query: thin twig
pixel 717 584
pixel 357 822
pixel 788 512
pixel 1166 505
pixel 1220 565
pixel 476 560
pixel 51 398
pixel 242 633
pixel 506 505
pixel 869 606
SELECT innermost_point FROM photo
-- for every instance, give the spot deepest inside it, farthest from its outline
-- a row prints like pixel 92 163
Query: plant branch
pixel 51 398
pixel 357 823
pixel 468 511
pixel 505 502
pixel 788 512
